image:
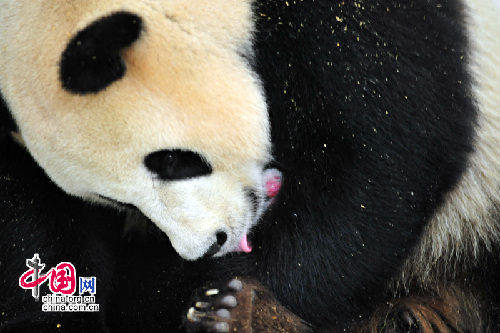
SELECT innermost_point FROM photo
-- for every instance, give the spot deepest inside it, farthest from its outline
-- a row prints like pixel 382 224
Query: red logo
pixel 62 277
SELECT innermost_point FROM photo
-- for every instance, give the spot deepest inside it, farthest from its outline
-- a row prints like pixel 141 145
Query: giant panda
pixel 380 116
pixel 385 124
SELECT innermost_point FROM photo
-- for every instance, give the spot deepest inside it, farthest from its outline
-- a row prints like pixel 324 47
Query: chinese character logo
pixel 62 277
pixel 87 284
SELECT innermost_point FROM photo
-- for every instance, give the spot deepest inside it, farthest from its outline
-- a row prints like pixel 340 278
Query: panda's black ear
pixel 93 60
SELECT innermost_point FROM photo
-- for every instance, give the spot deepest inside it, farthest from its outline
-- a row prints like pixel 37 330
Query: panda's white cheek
pixel 208 203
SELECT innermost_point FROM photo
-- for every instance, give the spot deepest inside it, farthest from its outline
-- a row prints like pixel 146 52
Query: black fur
pixel 37 217
pixel 6 120
pixel 385 126
pixel 92 59
pixel 372 119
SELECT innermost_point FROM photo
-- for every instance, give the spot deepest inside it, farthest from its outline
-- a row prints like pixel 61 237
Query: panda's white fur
pixel 466 220
pixel 187 87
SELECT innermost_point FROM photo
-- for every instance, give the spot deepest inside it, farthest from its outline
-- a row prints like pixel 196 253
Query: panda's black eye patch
pixel 177 164
pixel 92 60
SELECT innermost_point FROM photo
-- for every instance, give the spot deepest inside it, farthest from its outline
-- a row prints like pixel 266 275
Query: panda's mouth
pixel 272 179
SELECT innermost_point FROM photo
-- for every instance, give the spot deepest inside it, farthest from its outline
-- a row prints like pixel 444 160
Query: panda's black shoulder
pixel 356 80
pixel 372 121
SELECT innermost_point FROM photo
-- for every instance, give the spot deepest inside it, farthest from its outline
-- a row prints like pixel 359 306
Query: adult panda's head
pixel 147 103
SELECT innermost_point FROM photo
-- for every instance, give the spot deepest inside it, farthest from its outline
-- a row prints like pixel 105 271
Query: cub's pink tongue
pixel 244 246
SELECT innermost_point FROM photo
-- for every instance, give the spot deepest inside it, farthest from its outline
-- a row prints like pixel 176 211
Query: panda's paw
pixel 224 309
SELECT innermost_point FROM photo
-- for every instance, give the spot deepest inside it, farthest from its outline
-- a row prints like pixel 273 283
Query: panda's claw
pixel 202 305
pixel 212 292
pixel 193 315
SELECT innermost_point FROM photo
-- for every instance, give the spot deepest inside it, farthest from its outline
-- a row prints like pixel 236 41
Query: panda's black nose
pixel 221 240
pixel 177 164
